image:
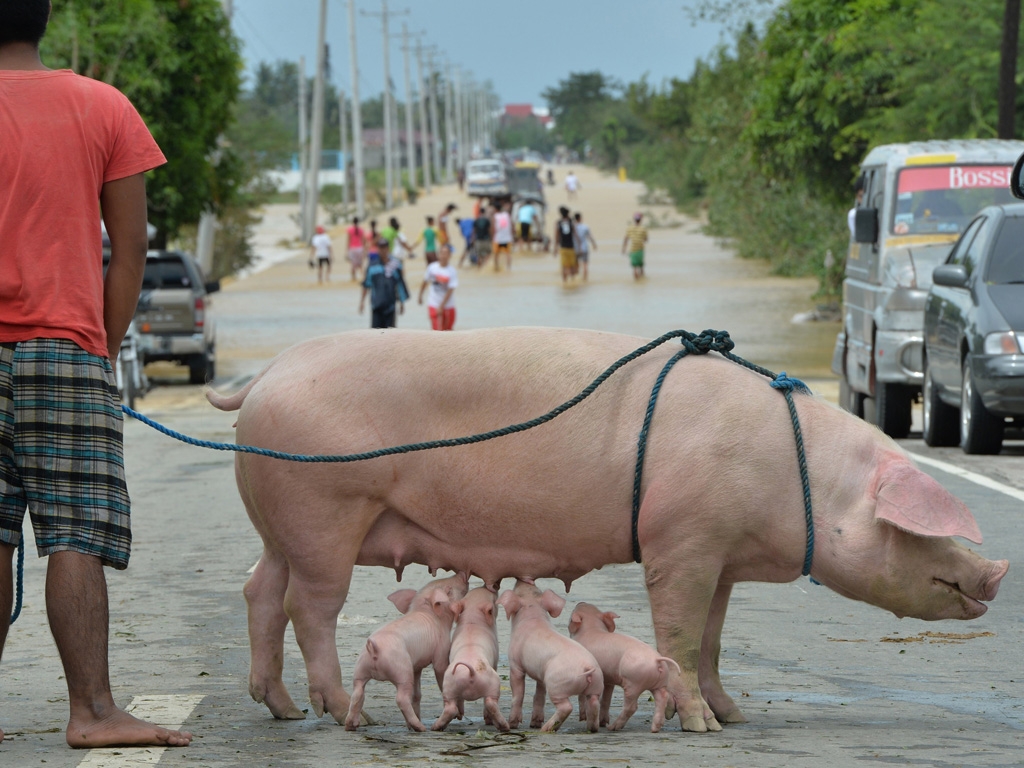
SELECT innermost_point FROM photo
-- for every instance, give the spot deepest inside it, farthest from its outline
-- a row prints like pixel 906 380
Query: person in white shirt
pixel 321 250
pixel 584 239
pixel 443 280
pixel 572 184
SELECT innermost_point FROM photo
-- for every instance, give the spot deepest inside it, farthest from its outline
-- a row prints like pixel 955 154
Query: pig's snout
pixel 991 587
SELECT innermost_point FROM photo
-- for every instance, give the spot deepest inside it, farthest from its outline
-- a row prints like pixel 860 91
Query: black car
pixel 974 335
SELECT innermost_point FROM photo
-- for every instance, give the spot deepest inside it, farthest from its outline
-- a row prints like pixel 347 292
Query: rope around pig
pixel 697 344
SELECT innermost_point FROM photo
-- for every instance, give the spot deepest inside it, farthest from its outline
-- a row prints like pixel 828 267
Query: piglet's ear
pixel 575 622
pixel 440 603
pixel 457 608
pixel 609 620
pixel 552 603
pixel 914 502
pixel 510 601
pixel 402 599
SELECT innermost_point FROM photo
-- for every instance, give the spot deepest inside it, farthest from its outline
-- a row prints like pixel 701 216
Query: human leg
pixel 76 606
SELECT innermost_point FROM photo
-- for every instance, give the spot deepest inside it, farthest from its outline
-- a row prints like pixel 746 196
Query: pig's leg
pixel 356 705
pixel 563 708
pixel 592 712
pixel 606 703
pixel 264 596
pixel 680 592
pixel 517 680
pixel 630 693
pixel 492 713
pixel 451 709
pixel 404 697
pixel 538 706
pixel 321 554
pixel 417 692
pixel 711 689
pixel 583 707
pixel 660 703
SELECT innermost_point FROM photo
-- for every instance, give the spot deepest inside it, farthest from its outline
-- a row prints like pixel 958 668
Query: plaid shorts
pixel 61 452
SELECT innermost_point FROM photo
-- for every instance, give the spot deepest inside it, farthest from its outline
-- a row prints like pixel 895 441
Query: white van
pixel 918 198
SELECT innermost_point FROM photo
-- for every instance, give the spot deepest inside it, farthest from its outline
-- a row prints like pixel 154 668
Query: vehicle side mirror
pixel 1015 180
pixel 865 225
pixel 950 275
pixel 213 286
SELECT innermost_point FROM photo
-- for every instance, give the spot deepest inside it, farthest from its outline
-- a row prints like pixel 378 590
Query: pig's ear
pixel 457 607
pixel 402 599
pixel 440 602
pixel 510 601
pixel 914 502
pixel 489 613
pixel 609 620
pixel 575 622
pixel 552 603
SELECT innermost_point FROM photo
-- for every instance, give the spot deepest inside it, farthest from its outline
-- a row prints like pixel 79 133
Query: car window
pixel 1006 263
pixel 956 256
pixel 165 273
pixel 976 250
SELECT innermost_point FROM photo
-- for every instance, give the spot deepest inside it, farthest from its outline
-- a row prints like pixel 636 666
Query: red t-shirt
pixel 62 136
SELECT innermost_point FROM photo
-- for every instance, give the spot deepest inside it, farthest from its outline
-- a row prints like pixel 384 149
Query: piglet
pixel 561 666
pixel 401 649
pixel 473 661
pixel 624 661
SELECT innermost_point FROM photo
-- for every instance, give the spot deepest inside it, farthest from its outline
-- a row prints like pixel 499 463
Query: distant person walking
pixel 466 227
pixel 442 224
pixel 386 287
pixel 584 239
pixel 503 237
pixel 442 280
pixel 565 241
pixel 322 250
pixel 429 239
pixel 572 185
pixel 527 213
pixel 355 247
pixel 483 232
pixel 636 237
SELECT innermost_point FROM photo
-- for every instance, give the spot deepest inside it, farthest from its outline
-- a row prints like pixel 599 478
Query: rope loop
pixel 707 341
pixel 785 383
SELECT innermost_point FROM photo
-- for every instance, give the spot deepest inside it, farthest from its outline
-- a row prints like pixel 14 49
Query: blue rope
pixel 21 580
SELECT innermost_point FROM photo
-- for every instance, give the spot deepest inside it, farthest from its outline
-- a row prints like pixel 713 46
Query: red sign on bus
pixel 954 177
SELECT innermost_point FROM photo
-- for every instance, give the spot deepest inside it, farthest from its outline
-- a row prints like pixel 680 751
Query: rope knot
pixel 708 341
pixel 784 383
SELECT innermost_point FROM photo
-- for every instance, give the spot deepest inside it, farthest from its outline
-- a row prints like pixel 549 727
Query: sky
pixel 522 46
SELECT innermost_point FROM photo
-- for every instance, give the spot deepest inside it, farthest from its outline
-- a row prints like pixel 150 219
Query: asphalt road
pixel 823 680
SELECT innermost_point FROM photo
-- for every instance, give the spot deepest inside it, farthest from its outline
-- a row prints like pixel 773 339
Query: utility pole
pixel 410 145
pixel 304 232
pixel 316 150
pixel 343 146
pixel 435 147
pixel 357 115
pixel 460 135
pixel 424 128
pixel 389 157
pixel 449 128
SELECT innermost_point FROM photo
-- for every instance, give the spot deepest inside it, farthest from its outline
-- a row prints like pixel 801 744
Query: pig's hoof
pixel 697 724
pixel 731 718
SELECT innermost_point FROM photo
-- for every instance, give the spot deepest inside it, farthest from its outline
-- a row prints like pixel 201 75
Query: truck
pixel 918 198
pixel 486 178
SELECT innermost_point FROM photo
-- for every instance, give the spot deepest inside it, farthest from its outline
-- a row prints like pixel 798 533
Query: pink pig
pixel 401 649
pixel 624 661
pixel 721 501
pixel 473 661
pixel 562 667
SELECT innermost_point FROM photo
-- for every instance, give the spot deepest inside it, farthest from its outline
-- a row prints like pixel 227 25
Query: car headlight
pixel 1005 343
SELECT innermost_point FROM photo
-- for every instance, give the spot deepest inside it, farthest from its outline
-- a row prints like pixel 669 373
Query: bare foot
pixel 119 729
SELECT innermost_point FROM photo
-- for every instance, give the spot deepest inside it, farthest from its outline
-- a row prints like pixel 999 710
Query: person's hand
pixel 361 307
pixel 420 301
pixel 401 307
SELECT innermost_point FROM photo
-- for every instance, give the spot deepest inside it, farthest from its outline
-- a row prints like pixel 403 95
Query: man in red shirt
pixel 71 147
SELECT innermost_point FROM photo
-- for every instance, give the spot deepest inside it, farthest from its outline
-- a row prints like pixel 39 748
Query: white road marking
pixel 974 477
pixel 169 711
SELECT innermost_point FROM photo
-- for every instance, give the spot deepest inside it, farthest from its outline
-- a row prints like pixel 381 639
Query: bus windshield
pixel 942 199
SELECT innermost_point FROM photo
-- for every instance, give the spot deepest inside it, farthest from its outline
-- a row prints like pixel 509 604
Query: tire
pixel 941 426
pixel 980 431
pixel 130 393
pixel 850 399
pixel 197 369
pixel 892 408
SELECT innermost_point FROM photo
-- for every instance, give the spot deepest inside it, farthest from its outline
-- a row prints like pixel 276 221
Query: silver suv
pixel 174 314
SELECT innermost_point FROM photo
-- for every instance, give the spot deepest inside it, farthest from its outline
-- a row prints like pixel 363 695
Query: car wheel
pixel 892 408
pixel 980 431
pixel 197 365
pixel 941 427
pixel 850 399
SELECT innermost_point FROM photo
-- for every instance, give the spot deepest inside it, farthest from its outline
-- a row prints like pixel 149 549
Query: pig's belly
pixel 395 541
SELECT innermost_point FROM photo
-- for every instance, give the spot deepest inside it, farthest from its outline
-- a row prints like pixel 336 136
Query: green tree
pixel 180 65
pixel 575 104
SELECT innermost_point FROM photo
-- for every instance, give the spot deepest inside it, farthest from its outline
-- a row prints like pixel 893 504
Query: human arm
pixel 123 202
pixel 423 287
pixel 447 295
pixel 590 237
pixel 362 299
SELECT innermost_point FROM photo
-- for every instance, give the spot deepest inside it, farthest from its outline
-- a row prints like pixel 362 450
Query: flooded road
pixel 692 282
